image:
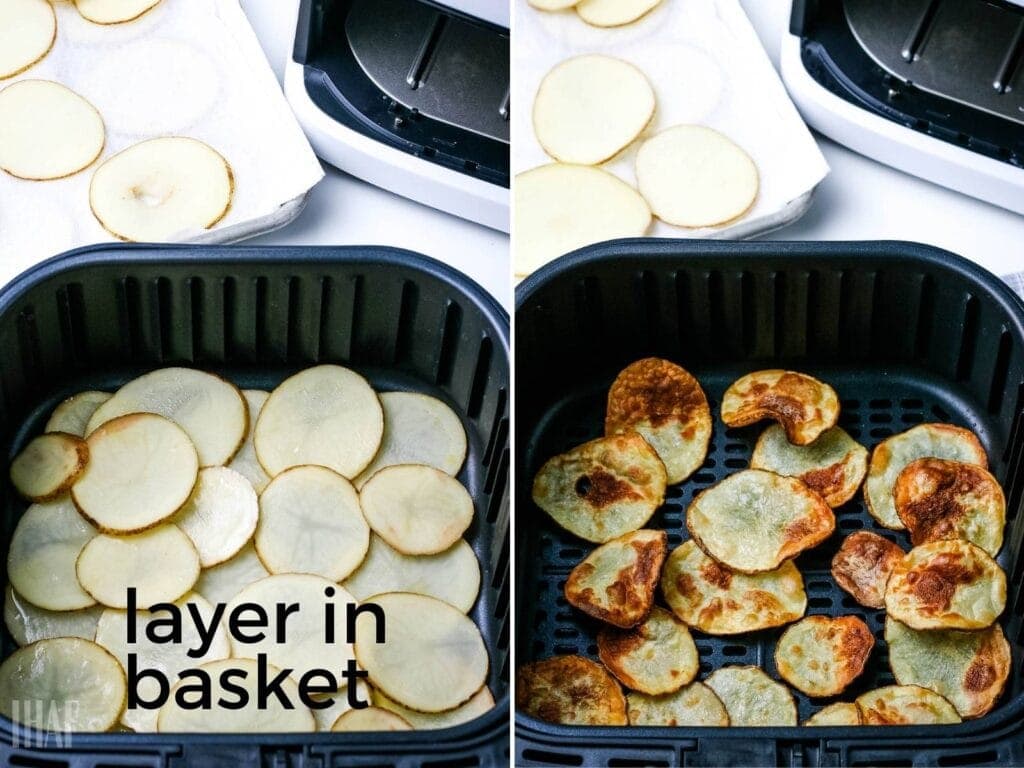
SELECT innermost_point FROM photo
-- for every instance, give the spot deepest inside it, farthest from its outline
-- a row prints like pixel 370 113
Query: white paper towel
pixel 189 68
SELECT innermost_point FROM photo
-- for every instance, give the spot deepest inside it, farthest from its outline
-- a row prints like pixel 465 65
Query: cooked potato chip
pixel 804 406
pixel 325 718
pixel 49 465
pixel 602 489
pixel 479 703
pixel 711 598
pixel 946 585
pixel 840 713
pixel 570 690
pixel 613 13
pixel 113 11
pixel 905 705
pixel 245 461
pixel 222 582
pixel 833 466
pixel 371 719
pixel 72 415
pixel 28 29
pixel 863 564
pixel 29 623
pixel 694 704
pixel 666 405
pixel 892 455
pixel 821 655
pixel 751 697
pixel 753 521
pixel 939 499
pixel 654 657
pixel 220 517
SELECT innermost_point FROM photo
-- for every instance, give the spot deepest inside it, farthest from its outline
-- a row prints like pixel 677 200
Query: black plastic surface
pixel 904 332
pixel 97 317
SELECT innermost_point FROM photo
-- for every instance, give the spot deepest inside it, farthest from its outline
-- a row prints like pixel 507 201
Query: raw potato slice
pixel 751 697
pixel 41 559
pixel 245 461
pixel 666 405
pixel 480 703
pixel 72 416
pixel 273 718
pixel 570 690
pixel 552 5
pixel 433 658
pixel 325 718
pixel 49 465
pixel 616 582
pixel 657 656
pixel 753 521
pixel 602 489
pixel 210 410
pixel 63 684
pixel 142 469
pixel 892 455
pixel 939 499
pixel 221 515
pixel 28 623
pixel 416 509
pixel 613 13
pixel 221 583
pixel 693 705
pixel 840 713
pixel 452 575
pixel 833 466
pixel 711 598
pixel 418 429
pixel 905 705
pixel 326 415
pixel 588 108
pixel 804 406
pixel 821 656
pixel 371 719
pixel 47 131
pixel 559 208
pixel 28 29
pixel 310 522
pixel 161 564
pixel 863 564
pixel 113 11
pixel 946 585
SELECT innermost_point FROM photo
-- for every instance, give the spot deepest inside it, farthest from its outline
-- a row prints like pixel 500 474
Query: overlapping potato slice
pixel 220 517
pixel 41 559
pixel 371 719
pixel 840 713
pixel 616 582
pixel 754 520
pixel 969 669
pixel 48 466
pixel 804 406
pixel 833 466
pixel 655 657
pixel 905 705
pixel 113 11
pixel 602 489
pixel 28 29
pixel 570 690
pixel 751 697
pixel 433 658
pixel 821 655
pixel 325 718
pixel 694 705
pixel 613 13
pixel 65 683
pixel 946 585
pixel 479 703
pixel 892 455
pixel 665 404
pixel 29 623
pixel 711 598
pixel 73 414
pixel 222 582
pixel 245 461
pixel 939 499
pixel 863 564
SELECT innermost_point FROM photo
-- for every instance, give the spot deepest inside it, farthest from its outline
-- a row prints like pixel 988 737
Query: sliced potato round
pixel 65 683
pixel 666 405
pixel 939 499
pixel 142 469
pixel 754 520
pixel 616 582
pixel 751 697
pixel 657 656
pixel 28 29
pixel 711 598
pixel 113 11
pixel 905 705
pixel 946 585
pixel 479 703
pixel 452 575
pixel 29 623
pixel 72 415
pixel 863 564
pixel 220 516
pixel 602 489
pixel 833 466
pixel 47 131
pixel 804 406
pixel 821 655
pixel 211 411
pixel 694 705
pixel 552 5
pixel 161 564
pixel 371 719
pixel 559 208
pixel 570 690
pixel 840 713
pixel 41 559
pixel 325 718
pixel 310 522
pixel 613 13
pixel 892 455
pixel 222 582
pixel 272 718
pixel 326 415
pixel 433 658
pixel 49 465
pixel 245 461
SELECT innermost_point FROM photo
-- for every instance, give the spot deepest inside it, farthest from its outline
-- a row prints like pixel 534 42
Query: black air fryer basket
pixel 94 318
pixel 905 333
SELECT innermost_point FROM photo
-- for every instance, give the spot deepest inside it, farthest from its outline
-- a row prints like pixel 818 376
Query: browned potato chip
pixel 905 705
pixel 751 697
pixel 821 655
pixel 656 656
pixel 863 564
pixel 840 713
pixel 833 466
pixel 49 465
pixel 694 704
pixel 804 406
pixel 570 690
